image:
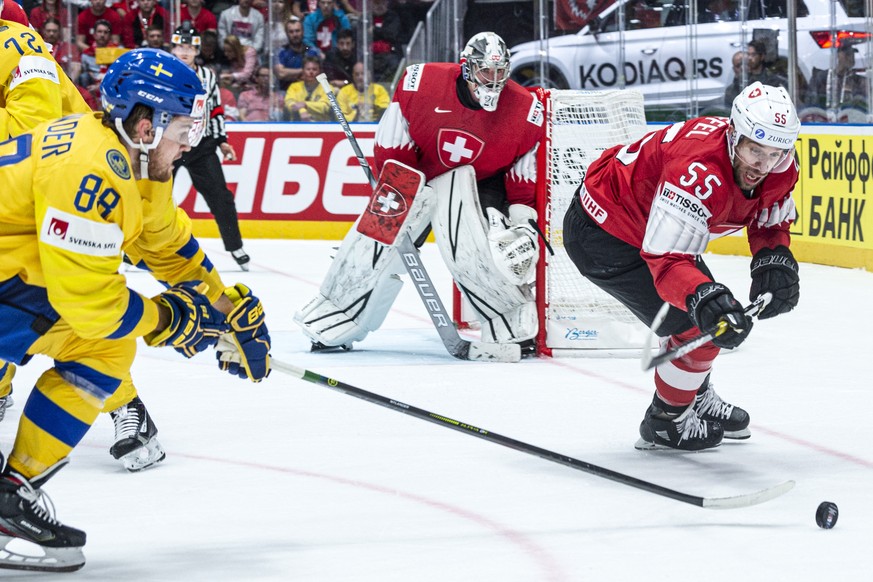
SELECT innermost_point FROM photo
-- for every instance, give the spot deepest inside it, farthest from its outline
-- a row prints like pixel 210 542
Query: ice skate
pixel 27 513
pixel 242 258
pixel 136 443
pixel 320 347
pixel 5 402
pixel 685 431
pixel 710 406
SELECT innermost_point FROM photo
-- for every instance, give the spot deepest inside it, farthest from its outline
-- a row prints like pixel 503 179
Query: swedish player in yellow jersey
pixel 76 208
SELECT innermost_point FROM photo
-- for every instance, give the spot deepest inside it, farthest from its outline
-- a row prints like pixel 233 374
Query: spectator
pixel 155 38
pixel 48 9
pixel 225 90
pixel 66 54
pixel 288 64
pixel 386 32
pixel 93 68
pixel 320 27
pixel 357 106
pixel 200 18
pixel 209 55
pixel 258 104
pixel 756 71
pixel 340 61
pixel 244 23
pixel 719 11
pixel 138 20
pixel 305 99
pixel 123 7
pixel 87 21
pixel 242 61
pixel 839 88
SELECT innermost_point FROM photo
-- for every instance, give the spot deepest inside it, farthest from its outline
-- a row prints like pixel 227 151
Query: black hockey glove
pixel 712 303
pixel 775 271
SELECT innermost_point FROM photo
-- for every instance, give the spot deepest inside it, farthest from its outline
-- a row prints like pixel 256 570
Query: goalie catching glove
pixel 194 324
pixel 245 350
pixel 775 271
pixel 515 249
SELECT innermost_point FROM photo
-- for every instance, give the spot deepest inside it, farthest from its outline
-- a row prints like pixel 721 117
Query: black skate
pixel 5 402
pixel 242 258
pixel 685 431
pixel 27 513
pixel 136 443
pixel 710 406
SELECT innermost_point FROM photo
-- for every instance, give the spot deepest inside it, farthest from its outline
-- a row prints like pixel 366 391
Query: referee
pixel 201 162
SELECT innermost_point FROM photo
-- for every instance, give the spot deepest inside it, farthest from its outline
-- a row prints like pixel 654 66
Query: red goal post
pixel 576 318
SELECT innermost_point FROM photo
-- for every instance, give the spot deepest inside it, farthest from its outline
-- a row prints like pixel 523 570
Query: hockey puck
pixel 826 515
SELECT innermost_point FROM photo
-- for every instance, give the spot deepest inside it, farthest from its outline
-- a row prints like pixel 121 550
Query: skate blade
pixel 144 457
pixel 738 435
pixel 51 560
pixel 644 445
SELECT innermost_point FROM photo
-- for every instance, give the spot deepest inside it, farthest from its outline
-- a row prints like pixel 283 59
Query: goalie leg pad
pixel 362 281
pixel 506 311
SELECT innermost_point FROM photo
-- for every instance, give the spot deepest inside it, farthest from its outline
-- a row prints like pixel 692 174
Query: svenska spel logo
pixel 58 228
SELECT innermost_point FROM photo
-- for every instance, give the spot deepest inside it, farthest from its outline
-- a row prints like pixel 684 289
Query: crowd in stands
pixel 265 53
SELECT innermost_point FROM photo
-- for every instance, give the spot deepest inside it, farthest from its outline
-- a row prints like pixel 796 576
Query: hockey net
pixel 576 317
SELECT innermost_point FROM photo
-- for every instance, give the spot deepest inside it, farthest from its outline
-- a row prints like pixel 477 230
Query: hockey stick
pixel 454 343
pixel 676 352
pixel 732 502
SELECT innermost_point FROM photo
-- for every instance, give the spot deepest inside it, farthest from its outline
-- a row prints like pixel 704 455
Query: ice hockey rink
pixel 288 480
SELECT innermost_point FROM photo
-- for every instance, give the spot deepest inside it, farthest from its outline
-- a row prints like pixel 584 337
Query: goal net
pixel 575 315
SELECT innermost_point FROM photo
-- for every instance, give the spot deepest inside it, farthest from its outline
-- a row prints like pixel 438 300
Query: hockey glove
pixel 245 350
pixel 775 271
pixel 712 303
pixel 515 250
pixel 194 324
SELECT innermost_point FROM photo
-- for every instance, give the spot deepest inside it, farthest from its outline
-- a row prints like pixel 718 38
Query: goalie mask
pixel 485 65
pixel 764 115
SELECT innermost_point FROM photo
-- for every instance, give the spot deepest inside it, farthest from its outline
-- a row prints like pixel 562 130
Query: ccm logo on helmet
pixel 149 96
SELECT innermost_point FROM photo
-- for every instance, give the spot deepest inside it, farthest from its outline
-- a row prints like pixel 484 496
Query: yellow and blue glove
pixel 244 351
pixel 194 324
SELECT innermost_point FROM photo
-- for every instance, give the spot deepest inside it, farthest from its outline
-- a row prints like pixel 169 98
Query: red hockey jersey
pixel 427 127
pixel 673 191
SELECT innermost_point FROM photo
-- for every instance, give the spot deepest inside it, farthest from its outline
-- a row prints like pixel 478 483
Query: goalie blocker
pixel 363 279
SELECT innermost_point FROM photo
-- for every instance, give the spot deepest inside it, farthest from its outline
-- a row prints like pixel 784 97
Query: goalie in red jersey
pixel 473 134
pixel 644 214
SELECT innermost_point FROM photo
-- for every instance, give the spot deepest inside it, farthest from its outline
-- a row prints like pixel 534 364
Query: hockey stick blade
pixel 472 430
pixel 455 345
pixel 649 361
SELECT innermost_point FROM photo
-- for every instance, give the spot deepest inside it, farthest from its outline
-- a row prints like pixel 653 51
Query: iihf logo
pixel 58 228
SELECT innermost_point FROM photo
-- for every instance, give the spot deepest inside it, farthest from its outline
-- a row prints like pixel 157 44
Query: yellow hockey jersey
pixel 70 206
pixel 34 86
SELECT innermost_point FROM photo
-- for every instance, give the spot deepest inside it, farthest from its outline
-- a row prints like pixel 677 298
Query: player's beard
pixel 747 177
pixel 161 163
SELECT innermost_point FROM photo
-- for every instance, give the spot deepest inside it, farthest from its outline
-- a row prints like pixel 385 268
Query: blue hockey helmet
pixel 159 81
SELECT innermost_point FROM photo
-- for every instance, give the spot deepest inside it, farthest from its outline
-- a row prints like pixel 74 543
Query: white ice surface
pixel 288 480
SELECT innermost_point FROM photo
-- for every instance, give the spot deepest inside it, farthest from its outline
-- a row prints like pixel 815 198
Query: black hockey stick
pixel 732 502
pixel 454 343
pixel 676 352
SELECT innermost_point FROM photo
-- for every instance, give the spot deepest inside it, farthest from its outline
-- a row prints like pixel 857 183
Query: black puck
pixel 826 515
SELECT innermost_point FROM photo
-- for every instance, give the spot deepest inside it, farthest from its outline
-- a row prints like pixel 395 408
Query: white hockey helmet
pixel 765 115
pixel 485 64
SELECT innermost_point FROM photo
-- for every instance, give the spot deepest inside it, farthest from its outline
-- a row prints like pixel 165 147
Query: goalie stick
pixel 454 343
pixel 732 502
pixel 649 361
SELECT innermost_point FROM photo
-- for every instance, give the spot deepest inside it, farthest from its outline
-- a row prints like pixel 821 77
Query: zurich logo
pixel 759 133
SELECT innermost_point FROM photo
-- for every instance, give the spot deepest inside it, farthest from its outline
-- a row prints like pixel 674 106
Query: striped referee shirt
pixel 215 124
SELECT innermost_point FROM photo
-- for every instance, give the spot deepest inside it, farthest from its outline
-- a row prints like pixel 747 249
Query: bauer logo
pixel 80 235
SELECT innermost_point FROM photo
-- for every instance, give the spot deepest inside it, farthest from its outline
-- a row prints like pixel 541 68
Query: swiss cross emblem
pixel 387 201
pixel 458 148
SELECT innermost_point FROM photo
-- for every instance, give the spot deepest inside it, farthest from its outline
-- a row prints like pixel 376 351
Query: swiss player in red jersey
pixel 474 135
pixel 644 215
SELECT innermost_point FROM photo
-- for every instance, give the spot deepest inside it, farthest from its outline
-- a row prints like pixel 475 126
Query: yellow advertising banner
pixel 834 224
